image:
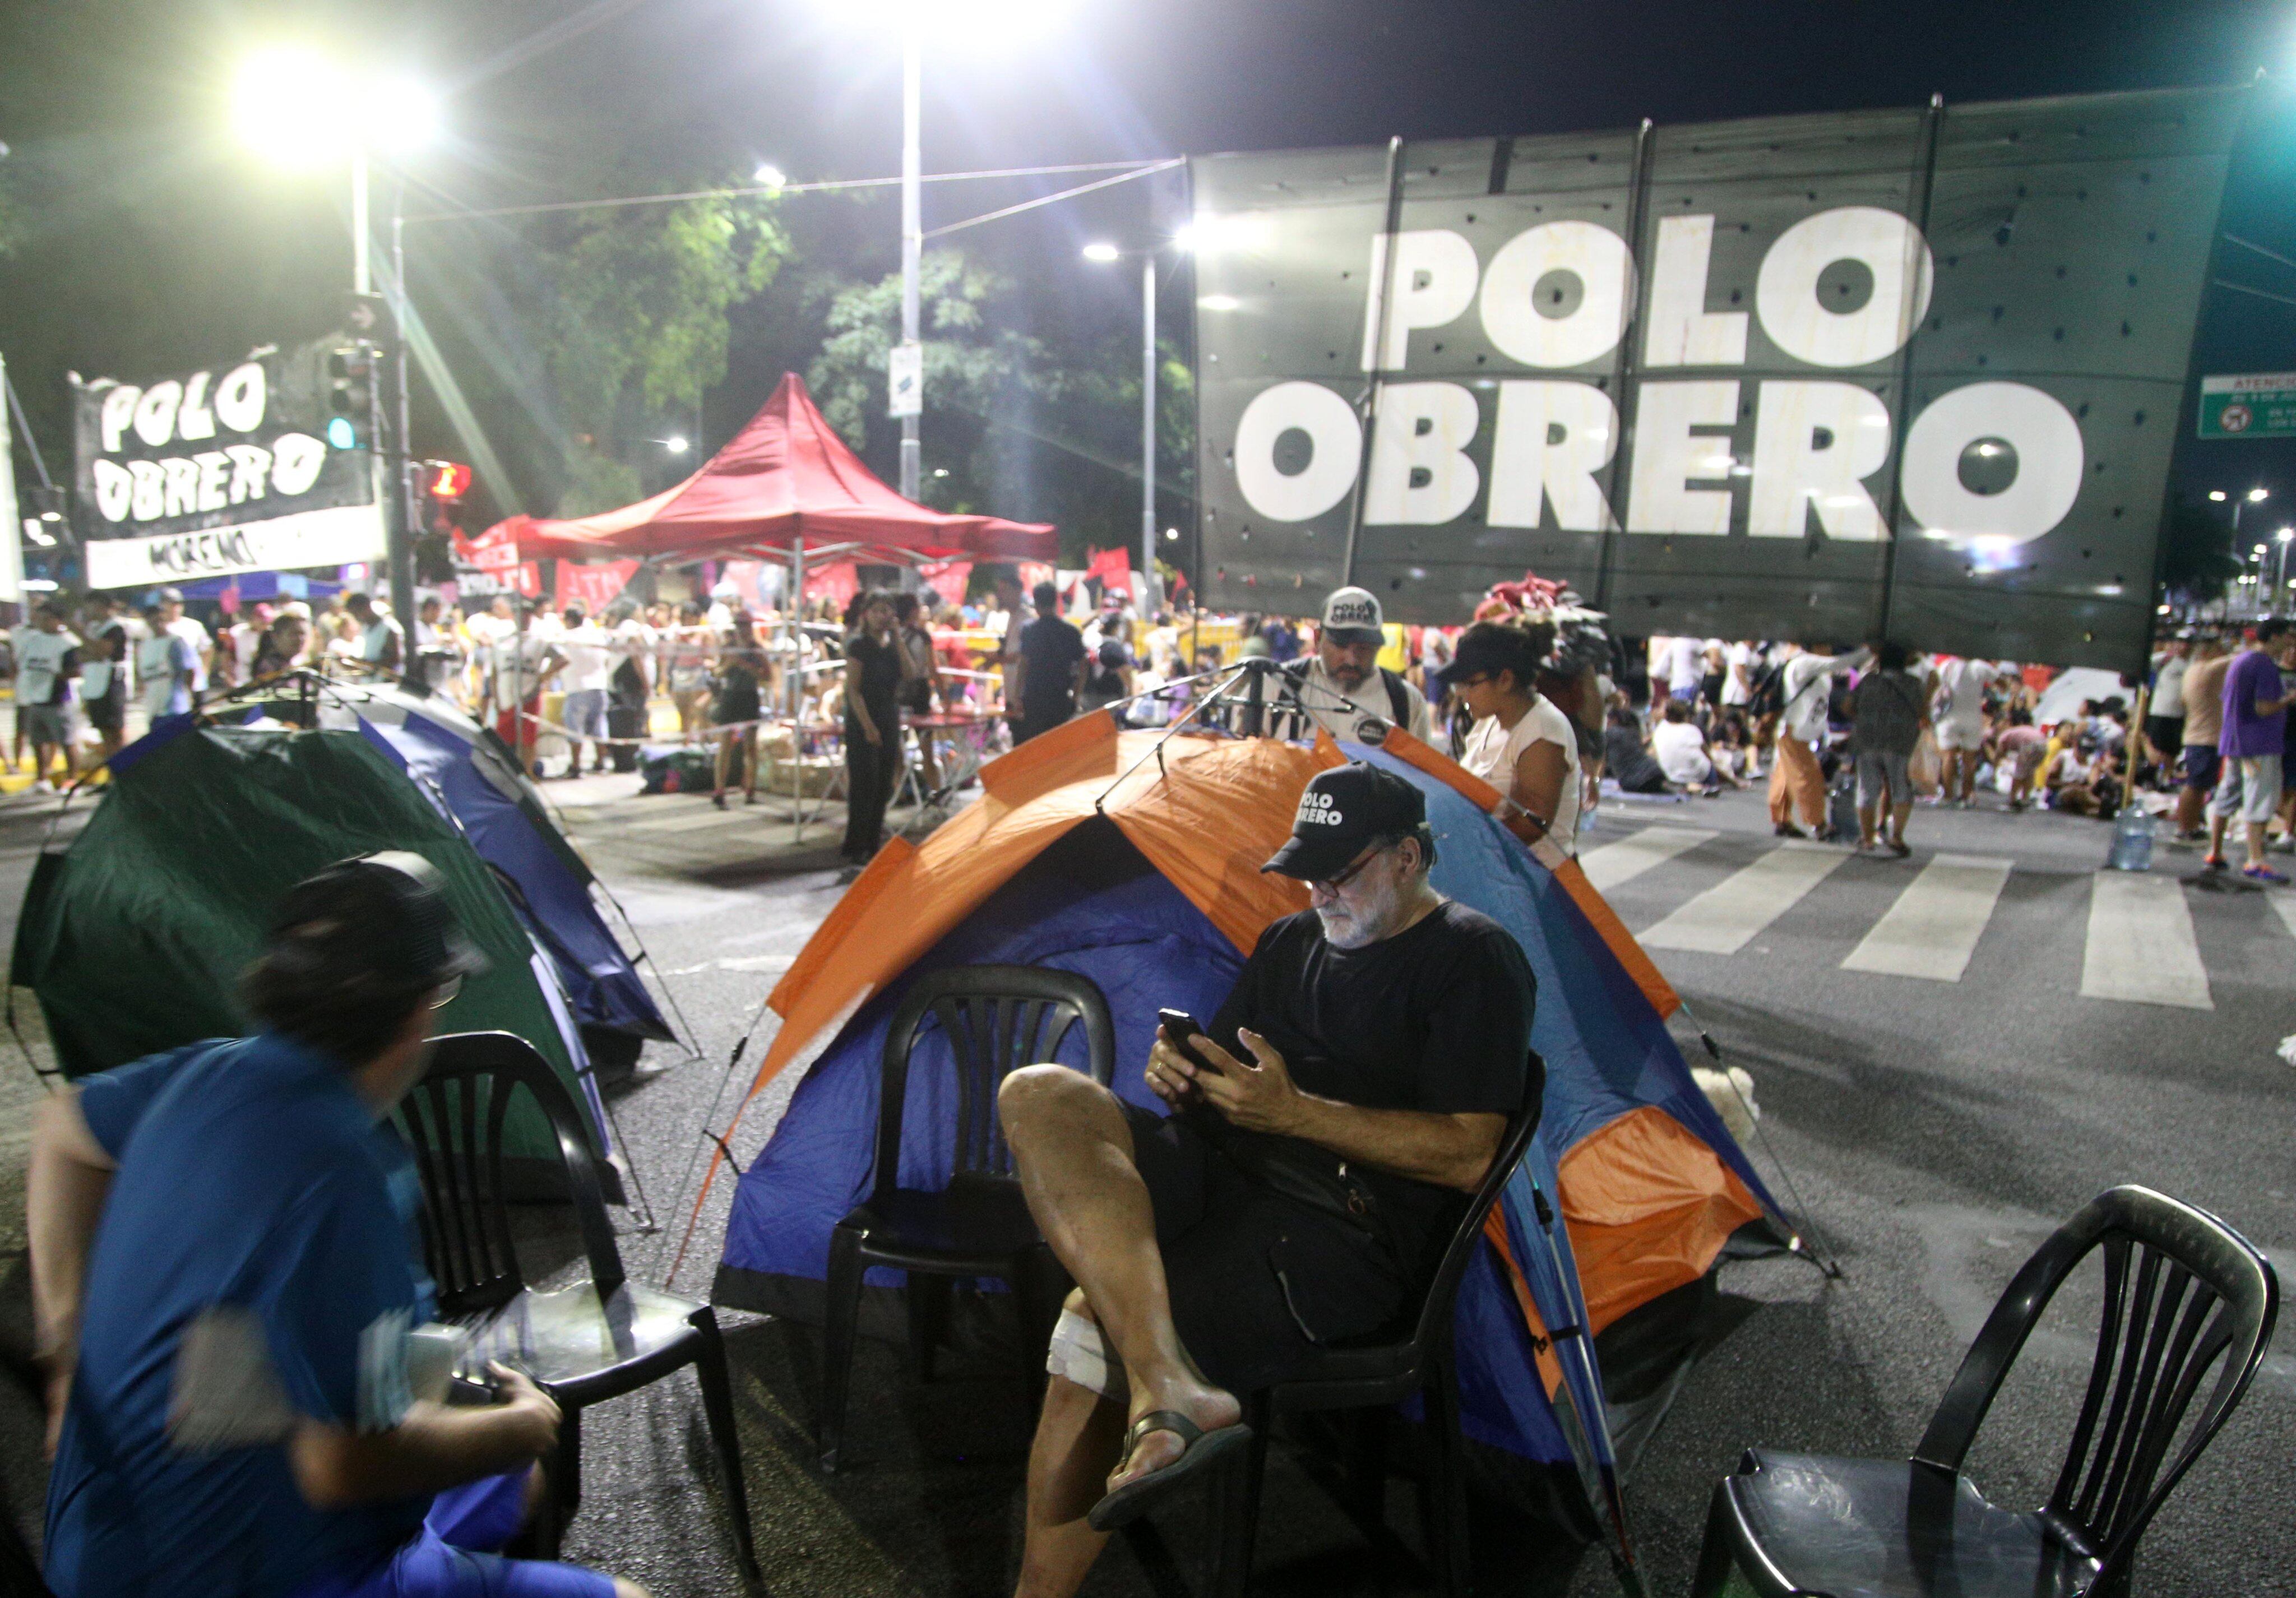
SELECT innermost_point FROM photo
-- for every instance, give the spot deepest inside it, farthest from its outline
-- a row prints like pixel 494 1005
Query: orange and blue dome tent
pixel 1134 860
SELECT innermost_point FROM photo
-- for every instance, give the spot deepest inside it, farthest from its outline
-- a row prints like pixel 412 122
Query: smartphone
pixel 1180 1026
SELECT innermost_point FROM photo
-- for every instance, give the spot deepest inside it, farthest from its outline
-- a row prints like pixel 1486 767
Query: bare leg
pixel 1078 1436
pixel 1074 1152
pixel 1899 814
pixel 2216 835
pixel 2256 842
pixel 1867 822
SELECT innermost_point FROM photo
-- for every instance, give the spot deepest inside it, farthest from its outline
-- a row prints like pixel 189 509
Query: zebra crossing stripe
pixel 1933 928
pixel 1627 858
pixel 1726 916
pixel 2141 949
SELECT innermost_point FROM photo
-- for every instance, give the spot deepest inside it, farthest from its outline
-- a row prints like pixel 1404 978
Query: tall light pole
pixel 299 109
pixel 1106 253
pixel 913 239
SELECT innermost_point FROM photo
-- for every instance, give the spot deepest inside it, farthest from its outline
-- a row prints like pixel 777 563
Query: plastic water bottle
pixel 2132 839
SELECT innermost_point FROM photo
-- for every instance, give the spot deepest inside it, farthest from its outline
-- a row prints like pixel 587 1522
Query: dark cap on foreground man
pixel 1355 1084
pixel 223 1274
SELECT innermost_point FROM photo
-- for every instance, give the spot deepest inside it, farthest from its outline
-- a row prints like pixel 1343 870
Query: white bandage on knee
pixel 1079 1354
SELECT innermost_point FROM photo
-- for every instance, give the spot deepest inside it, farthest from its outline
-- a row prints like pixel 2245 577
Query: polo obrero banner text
pixel 1819 378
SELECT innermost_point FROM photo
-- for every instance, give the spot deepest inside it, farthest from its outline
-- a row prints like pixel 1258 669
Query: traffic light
pixel 350 396
pixel 445 480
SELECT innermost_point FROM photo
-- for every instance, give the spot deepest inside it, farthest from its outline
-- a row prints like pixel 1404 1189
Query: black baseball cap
pixel 1342 812
pixel 381 919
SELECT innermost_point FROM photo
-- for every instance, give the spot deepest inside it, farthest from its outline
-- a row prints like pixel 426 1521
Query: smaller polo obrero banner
pixel 215 471
pixel 334 537
pixel 1814 377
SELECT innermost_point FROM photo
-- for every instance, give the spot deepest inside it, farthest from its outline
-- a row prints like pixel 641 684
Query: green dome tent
pixel 132 935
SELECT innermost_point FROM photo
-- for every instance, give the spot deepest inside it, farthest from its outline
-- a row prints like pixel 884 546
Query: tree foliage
pixel 636 324
pixel 2198 560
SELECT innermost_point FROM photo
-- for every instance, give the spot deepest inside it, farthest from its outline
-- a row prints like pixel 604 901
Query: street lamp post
pixel 297 108
pixel 912 233
pixel 1106 253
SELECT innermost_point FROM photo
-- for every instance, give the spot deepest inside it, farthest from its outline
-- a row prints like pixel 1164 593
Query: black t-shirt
pixel 873 673
pixel 1050 648
pixel 1436 1018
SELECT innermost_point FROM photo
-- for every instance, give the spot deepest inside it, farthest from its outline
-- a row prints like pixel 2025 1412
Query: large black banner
pixel 215 471
pixel 1810 377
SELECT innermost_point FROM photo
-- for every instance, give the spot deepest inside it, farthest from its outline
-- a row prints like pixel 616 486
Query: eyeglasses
pixel 445 993
pixel 1331 885
pixel 1476 681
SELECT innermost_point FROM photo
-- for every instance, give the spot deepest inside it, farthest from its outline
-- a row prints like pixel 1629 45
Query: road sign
pixel 905 384
pixel 2253 404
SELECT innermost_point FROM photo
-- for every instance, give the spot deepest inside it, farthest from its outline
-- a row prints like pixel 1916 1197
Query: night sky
pixel 155 244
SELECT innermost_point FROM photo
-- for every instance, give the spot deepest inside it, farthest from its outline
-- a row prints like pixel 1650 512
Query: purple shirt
pixel 2246 734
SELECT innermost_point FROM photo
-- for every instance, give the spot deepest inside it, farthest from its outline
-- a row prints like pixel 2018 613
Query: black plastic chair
pixel 1376 1375
pixel 586 1343
pixel 997 1019
pixel 2181 1291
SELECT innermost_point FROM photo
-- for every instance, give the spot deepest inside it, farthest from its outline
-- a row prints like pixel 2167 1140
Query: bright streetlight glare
pixel 1101 252
pixel 676 443
pixel 995 22
pixel 1219 302
pixel 2286 533
pixel 771 175
pixel 294 106
pixel 2217 495
pixel 2255 495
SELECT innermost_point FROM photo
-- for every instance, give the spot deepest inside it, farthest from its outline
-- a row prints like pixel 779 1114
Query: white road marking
pixel 2284 905
pixel 1726 916
pixel 1934 927
pixel 2141 949
pixel 1629 857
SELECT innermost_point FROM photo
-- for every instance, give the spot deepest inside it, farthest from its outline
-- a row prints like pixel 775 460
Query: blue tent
pixel 1651 1184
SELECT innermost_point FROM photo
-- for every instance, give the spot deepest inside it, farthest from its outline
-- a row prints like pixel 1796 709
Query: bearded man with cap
pixel 1343 688
pixel 224 1277
pixel 1361 1074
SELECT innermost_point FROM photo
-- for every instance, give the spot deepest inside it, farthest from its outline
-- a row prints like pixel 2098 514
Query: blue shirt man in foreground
pixel 225 1277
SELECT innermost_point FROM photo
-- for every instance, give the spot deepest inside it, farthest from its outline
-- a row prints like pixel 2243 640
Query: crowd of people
pixel 1531 695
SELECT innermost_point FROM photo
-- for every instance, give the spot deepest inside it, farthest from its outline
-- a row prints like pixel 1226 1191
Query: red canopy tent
pixel 785 483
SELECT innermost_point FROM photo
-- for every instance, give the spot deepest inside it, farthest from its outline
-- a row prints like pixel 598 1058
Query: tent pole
pixel 794 620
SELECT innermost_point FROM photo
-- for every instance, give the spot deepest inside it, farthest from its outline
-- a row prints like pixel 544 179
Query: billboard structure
pixel 1824 377
pixel 222 470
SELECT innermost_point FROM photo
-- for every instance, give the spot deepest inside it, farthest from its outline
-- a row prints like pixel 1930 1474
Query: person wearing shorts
pixel 1960 712
pixel 1361 1076
pixel 1889 709
pixel 2202 687
pixel 2253 739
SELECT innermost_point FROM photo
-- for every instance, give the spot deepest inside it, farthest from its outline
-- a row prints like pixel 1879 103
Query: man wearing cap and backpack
pixel 1355 1083
pixel 1342 688
pixel 225 1280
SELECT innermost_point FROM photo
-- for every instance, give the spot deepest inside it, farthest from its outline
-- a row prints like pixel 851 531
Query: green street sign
pixel 2253 404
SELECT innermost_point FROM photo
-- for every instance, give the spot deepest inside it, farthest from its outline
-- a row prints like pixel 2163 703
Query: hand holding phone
pixel 1180 1030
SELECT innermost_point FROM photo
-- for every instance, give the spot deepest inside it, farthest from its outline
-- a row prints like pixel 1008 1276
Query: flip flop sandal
pixel 1198 1448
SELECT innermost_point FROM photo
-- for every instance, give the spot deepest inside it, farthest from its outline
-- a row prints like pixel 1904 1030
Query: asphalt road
pixel 1933 1130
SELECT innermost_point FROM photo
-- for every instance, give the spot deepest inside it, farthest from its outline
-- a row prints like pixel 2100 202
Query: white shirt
pixel 39 660
pixel 1961 692
pixel 589 658
pixel 191 633
pixel 1738 667
pixel 1344 715
pixel 1805 714
pixel 1492 752
pixel 517 667
pixel 634 640
pixel 158 661
pixel 1686 663
pixel 2168 687
pixel 1681 751
pixel 374 640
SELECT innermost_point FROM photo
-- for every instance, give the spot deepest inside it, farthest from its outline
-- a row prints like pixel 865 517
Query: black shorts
pixel 2165 732
pixel 1259 1283
pixel 2201 765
